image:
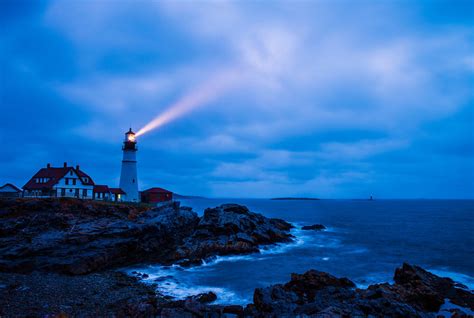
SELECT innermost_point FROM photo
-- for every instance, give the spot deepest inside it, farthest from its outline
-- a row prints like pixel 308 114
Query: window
pixel 85 180
pixel 74 181
pixel 76 193
pixel 84 192
pixel 63 192
pixel 133 181
pixel 70 173
pixel 67 180
pixel 70 190
pixel 37 180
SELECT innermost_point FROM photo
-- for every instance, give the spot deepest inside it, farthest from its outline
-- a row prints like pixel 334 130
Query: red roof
pixel 101 189
pixel 54 175
pixel 156 190
pixel 117 191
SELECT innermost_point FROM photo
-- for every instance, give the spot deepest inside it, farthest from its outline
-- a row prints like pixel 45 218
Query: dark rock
pixel 105 294
pixel 316 227
pixel 208 297
pixel 428 291
pixel 231 229
pixel 233 309
pixel 416 293
pixel 78 237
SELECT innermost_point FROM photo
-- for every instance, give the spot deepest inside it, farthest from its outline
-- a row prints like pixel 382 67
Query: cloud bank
pixel 332 99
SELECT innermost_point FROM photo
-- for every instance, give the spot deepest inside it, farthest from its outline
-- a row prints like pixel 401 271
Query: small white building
pixel 104 193
pixel 65 181
pixel 8 190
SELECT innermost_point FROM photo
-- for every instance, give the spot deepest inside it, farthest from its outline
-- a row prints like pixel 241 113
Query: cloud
pixel 331 97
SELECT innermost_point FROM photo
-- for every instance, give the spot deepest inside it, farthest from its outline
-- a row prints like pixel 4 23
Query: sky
pixel 329 99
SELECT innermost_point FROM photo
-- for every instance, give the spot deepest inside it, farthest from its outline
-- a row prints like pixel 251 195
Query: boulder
pixel 428 291
pixel 416 293
pixel 231 229
pixel 208 297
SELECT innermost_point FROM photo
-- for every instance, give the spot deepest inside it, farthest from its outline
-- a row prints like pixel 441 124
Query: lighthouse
pixel 128 176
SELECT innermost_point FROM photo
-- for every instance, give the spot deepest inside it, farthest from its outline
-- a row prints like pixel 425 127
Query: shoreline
pixel 46 244
pixel 278 248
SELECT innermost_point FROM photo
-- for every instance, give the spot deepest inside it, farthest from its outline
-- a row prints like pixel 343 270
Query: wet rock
pixel 206 297
pixel 231 229
pixel 428 291
pixel 416 293
pixel 315 227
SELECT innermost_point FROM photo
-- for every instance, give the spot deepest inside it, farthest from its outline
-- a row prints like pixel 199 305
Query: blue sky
pixel 334 99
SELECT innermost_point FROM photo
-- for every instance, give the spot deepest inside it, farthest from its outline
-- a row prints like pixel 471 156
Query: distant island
pixel 295 199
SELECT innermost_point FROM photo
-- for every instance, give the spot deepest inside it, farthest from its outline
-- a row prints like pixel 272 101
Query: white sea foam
pixel 457 277
pixel 178 290
pixel 231 258
pixel 168 282
pixel 444 310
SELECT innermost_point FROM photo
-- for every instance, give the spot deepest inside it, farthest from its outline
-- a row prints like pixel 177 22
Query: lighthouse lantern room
pixel 128 176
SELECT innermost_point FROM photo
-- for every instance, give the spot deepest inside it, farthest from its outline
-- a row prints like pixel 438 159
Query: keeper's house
pixel 65 181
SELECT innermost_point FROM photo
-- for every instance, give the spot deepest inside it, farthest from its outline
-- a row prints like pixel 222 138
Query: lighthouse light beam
pixel 202 95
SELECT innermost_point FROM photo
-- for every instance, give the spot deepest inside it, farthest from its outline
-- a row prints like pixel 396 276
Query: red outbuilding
pixel 156 195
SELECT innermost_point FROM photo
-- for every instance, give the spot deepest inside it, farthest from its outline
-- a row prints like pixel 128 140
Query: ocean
pixel 365 241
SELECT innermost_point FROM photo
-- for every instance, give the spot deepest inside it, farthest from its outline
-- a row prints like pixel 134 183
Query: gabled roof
pixel 54 175
pixel 10 185
pixel 117 191
pixel 156 190
pixel 83 175
pixel 101 189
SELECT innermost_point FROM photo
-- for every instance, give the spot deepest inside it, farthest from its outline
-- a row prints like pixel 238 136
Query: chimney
pixel 77 167
pixel 48 165
pixel 65 165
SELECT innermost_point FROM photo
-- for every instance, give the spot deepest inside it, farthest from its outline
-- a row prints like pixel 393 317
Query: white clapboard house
pixel 64 181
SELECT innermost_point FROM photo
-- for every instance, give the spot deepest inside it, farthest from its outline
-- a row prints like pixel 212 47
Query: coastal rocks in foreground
pixel 416 293
pixel 231 229
pixel 105 294
pixel 78 237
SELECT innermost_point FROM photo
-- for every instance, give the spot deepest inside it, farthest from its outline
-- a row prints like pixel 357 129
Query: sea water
pixel 364 241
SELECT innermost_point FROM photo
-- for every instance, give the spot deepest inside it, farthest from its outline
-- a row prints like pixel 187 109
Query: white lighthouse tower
pixel 128 177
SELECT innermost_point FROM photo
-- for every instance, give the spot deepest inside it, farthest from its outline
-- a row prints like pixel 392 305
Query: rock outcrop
pixel 79 237
pixel 231 229
pixel 416 293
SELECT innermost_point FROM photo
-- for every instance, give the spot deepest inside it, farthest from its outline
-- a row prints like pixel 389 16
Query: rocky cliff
pixel 79 237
